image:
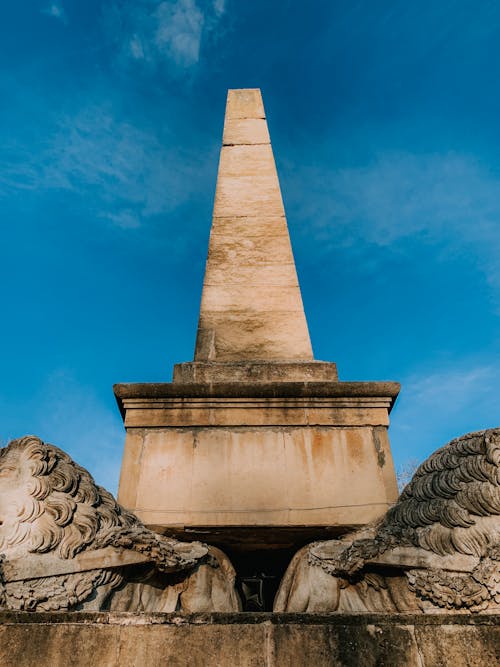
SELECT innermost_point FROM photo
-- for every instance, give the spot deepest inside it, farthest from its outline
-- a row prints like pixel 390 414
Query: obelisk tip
pixel 244 103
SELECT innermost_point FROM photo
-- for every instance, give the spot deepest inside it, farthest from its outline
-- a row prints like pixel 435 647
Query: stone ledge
pixel 170 390
pixel 247 639
pixel 245 618
pixel 256 412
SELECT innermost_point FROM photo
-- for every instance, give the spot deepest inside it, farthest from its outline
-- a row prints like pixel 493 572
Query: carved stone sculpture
pixel 65 544
pixel 437 549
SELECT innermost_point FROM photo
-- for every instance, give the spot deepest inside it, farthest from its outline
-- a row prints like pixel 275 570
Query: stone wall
pixel 106 639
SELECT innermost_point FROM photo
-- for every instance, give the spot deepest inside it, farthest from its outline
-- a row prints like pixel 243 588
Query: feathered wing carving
pixel 450 507
pixel 51 509
pixel 443 507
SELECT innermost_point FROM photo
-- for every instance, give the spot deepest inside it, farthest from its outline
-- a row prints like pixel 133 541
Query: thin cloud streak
pixel 159 34
pixel 178 31
pixel 132 174
pixel 436 407
pixel 56 10
pixel 450 200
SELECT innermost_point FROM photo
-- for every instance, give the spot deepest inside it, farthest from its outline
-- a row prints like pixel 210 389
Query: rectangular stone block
pixel 38 644
pixel 246 299
pixel 247 182
pixel 250 227
pixel 248 195
pixel 263 335
pixel 247 160
pixel 244 103
pixel 252 371
pixel 245 131
pixel 456 645
pixel 216 477
pixel 191 414
pixel 227 250
pixel 256 274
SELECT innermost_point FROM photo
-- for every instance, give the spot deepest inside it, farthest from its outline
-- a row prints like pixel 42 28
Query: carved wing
pixel 450 507
pixel 452 504
pixel 122 530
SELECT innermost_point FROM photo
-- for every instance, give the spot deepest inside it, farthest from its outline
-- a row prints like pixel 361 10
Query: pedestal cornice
pixel 256 404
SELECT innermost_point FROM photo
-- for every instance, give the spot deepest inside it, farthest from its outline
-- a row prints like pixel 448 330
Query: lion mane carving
pixel 437 549
pixel 55 523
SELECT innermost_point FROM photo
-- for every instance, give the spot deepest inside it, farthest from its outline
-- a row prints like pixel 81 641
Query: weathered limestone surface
pixel 270 640
pixel 267 454
pixel 199 372
pixel 228 485
pixel 251 307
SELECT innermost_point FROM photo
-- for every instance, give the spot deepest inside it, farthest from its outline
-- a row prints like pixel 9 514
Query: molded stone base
pixel 282 454
pixel 106 640
pixel 255 371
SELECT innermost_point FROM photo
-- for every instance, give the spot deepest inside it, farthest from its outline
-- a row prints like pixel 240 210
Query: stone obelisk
pixel 252 323
pixel 254 444
pixel 251 307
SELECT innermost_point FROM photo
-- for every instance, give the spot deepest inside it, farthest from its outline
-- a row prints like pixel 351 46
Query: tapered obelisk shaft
pixel 255 444
pixel 251 307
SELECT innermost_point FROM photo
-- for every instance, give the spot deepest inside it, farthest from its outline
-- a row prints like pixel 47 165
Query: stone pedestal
pixel 268 463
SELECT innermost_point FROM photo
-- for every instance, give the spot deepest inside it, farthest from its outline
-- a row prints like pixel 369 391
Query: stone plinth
pixel 268 640
pixel 285 456
pixel 255 371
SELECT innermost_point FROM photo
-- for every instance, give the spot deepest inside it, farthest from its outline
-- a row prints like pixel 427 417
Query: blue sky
pixel 384 118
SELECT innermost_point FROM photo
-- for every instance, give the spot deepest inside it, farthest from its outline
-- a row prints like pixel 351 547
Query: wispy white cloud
pixel 56 10
pixel 124 174
pixel 125 219
pixel 136 48
pixel 443 404
pixel 450 391
pixel 219 7
pixel 178 31
pixel 451 200
pixel 163 33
